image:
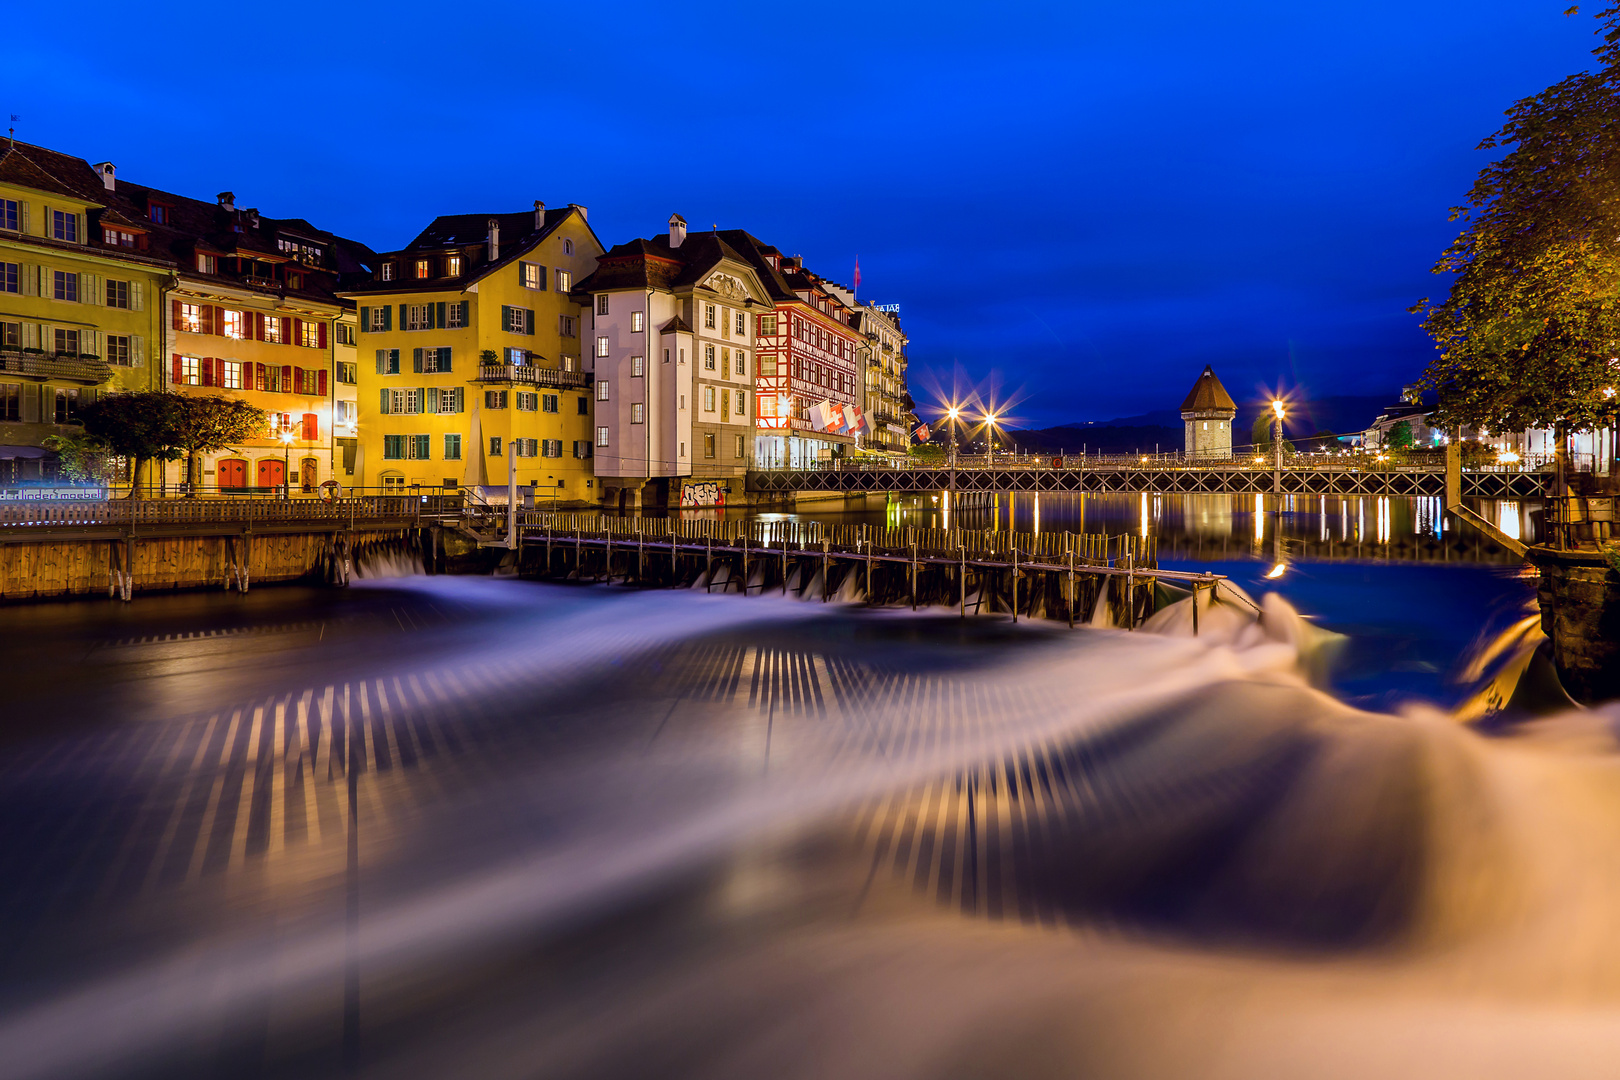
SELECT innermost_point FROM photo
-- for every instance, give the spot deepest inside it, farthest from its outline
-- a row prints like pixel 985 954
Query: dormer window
pixel 158 213
pixel 424 268
pixel 295 281
pixel 117 238
pixel 206 264
pixel 388 271
pixel 452 266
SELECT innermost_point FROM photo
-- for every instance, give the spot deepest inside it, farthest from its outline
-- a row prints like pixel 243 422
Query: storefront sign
pixel 53 494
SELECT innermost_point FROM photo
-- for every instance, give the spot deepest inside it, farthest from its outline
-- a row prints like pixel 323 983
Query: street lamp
pixel 951 414
pixel 1276 429
pixel 286 463
pixel 990 439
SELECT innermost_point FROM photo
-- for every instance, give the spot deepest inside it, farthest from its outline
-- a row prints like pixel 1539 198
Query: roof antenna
pixel 13 132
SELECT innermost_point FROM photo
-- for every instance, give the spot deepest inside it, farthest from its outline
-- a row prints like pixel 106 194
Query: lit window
pixel 452 268
pixel 637 365
pixel 565 281
pixel 602 304
pixel 232 327
pixel 742 324
pixel 637 413
pixel 230 376
pixel 742 363
pixel 272 330
pixel 423 268
pixel 638 321
pixel 601 346
pixel 767 325
pixel 708 316
pixel 565 326
pixel 601 436
pixel 532 275
pixel 205 264
pixel 708 400
pixel 601 390
pixel 310 335
pixel 190 366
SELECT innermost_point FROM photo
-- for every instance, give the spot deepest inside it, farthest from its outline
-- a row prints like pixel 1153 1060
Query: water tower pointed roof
pixel 1208 395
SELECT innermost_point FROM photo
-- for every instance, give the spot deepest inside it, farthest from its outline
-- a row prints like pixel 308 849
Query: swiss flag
pixel 857 271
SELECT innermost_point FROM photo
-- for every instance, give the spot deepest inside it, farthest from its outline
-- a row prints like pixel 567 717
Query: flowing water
pixel 432 827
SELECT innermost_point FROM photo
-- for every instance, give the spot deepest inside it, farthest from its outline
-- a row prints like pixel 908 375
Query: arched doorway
pixel 232 473
pixel 272 472
pixel 309 470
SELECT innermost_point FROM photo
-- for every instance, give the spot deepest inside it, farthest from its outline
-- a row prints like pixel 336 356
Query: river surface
pixel 430 827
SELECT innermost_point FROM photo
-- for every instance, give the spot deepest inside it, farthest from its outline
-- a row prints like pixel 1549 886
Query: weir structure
pixel 1079 577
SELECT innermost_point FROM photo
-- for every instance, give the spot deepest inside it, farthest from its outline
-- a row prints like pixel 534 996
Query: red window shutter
pixel 176 314
pixel 179 371
pixel 321 380
pixel 312 427
pixel 321 343
pixel 206 368
pixel 297 332
pixel 286 332
pixel 287 385
pixel 208 318
pixel 256 325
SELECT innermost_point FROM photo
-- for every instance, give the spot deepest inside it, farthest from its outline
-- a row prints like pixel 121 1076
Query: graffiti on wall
pixel 702 493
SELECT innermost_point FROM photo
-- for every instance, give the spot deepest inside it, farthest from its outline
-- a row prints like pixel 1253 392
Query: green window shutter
pixel 384 409
pixel 382 363
pixel 137 351
pixel 438 315
pixel 506 316
pixel 388 317
pixel 421 401
pixel 365 319
pixel 528 320
pixel 416 361
pixel 432 405
pixel 464 313
pixel 137 295
pixel 402 316
pixel 444 358
pixel 461 400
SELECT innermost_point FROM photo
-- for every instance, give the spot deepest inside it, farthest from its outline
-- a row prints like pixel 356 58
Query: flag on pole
pixel 921 433
pixel 857 271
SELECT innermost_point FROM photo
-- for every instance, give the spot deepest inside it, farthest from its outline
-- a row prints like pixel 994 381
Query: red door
pixel 232 473
pixel 272 472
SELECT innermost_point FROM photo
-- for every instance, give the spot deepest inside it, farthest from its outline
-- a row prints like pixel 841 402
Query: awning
pixel 24 452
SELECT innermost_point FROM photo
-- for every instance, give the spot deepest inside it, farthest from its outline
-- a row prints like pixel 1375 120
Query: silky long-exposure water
pixel 433 827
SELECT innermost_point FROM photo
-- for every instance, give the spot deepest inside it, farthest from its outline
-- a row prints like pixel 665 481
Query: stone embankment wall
pixel 1579 595
pixel 68 568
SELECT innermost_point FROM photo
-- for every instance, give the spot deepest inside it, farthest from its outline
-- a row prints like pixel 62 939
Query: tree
pixel 83 456
pixel 1400 436
pixel 1531 326
pixel 140 426
pixel 205 425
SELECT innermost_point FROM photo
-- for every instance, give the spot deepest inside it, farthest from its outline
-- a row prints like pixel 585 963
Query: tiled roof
pixel 653 264
pixel 1208 395
pixel 35 167
pixel 468 235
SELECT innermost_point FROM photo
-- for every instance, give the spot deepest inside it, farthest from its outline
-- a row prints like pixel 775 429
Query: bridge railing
pixel 1166 462
pixel 160 512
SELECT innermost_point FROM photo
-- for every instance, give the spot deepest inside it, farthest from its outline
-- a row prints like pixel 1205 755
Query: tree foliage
pixel 1400 436
pixel 137 425
pixel 205 425
pixel 1530 331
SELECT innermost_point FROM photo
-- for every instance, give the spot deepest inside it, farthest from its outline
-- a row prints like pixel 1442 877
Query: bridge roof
pixel 1208 395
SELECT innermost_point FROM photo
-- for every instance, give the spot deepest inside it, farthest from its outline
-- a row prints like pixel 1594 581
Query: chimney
pixel 494 240
pixel 108 174
pixel 581 209
pixel 677 230
pixel 227 200
pixel 539 215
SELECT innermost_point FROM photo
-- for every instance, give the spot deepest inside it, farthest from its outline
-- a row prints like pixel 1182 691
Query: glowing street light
pixel 286 462
pixel 990 440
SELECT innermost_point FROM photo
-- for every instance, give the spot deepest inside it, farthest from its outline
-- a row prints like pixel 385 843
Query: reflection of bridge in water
pixel 1219 526
pixel 1166 478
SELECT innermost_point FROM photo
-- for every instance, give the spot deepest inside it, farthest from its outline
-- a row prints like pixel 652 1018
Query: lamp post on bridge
pixel 1276 442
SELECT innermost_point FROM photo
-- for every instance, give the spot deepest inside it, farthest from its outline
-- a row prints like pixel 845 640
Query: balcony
pixel 526 375
pixel 67 367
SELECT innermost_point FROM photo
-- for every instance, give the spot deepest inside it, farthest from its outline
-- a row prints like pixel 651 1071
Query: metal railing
pixel 412 506
pixel 1167 461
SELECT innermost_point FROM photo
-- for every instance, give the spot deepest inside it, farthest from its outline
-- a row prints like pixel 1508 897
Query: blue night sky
pixel 1081 202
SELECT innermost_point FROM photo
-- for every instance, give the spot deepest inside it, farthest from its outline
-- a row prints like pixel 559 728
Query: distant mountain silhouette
pixel 1341 414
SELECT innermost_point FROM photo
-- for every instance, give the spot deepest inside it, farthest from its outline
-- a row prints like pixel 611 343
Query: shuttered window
pixel 452 447
pixel 388 361
pixel 394 447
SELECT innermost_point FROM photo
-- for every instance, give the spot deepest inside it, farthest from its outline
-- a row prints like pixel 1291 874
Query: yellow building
pixel 81 298
pixel 470 346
